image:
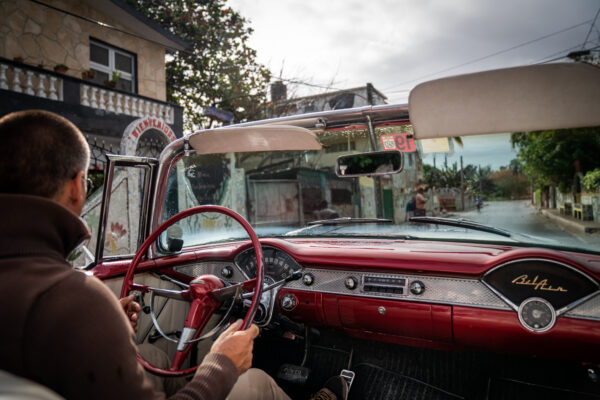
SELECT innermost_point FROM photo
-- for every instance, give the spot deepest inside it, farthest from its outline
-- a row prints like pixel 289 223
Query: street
pixel 519 216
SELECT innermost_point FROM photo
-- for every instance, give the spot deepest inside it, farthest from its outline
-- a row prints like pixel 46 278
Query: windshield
pixel 530 188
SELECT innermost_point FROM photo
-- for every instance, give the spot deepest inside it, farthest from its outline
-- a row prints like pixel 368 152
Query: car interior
pixel 286 223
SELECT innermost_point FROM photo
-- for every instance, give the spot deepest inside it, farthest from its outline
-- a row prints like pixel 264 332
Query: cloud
pixel 395 43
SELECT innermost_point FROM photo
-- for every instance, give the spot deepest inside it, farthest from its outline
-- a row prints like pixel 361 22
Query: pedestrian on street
pixel 410 208
pixel 421 200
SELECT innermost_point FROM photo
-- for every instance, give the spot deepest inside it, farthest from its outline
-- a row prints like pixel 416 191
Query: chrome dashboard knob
pixel 308 279
pixel 351 283
pixel 417 287
pixel 288 302
pixel 227 272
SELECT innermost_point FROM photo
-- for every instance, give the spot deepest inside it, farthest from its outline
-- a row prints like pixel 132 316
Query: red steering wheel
pixel 205 294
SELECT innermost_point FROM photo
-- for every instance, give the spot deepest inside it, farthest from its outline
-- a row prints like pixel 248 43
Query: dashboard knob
pixel 308 279
pixel 227 272
pixel 288 302
pixel 417 287
pixel 351 283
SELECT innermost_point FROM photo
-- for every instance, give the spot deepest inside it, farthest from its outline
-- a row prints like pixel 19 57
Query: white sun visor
pixel 253 138
pixel 521 99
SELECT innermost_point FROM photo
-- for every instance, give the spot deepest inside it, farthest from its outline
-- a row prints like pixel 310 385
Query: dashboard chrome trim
pixel 576 309
pixel 439 290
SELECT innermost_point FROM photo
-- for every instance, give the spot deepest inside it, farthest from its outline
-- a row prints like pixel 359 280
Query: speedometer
pixel 278 264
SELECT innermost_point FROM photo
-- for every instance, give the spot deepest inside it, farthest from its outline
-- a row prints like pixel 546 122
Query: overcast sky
pixel 396 44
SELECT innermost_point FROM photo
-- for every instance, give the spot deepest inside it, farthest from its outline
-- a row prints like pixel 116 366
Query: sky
pixel 395 44
pixel 494 151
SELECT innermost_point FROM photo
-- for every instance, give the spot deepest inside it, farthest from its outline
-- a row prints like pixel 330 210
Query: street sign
pixel 217 113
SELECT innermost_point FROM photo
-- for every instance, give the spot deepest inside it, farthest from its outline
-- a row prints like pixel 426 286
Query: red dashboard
pixel 435 294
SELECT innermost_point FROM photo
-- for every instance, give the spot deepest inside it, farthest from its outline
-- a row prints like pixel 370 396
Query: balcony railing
pixel 34 81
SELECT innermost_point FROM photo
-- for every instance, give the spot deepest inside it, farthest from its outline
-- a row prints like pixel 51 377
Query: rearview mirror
pixel 369 164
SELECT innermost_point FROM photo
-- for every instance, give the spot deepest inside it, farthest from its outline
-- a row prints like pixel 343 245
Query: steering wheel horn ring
pixel 205 293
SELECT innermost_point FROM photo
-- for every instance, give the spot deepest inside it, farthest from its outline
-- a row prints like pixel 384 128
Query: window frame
pixel 112 51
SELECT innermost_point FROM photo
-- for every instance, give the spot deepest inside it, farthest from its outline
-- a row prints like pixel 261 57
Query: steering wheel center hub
pixel 204 284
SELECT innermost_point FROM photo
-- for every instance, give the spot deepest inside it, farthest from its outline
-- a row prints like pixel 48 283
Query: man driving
pixel 63 328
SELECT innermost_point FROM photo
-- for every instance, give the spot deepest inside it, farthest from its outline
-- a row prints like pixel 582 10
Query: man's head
pixel 43 154
pixel 420 190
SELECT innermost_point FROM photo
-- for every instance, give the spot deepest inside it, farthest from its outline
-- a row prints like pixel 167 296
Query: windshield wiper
pixel 461 223
pixel 335 224
pixel 350 220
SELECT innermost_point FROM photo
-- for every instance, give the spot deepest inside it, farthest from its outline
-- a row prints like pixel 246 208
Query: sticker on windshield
pixel 399 141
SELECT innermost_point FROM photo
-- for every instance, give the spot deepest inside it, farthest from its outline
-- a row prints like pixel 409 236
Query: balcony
pixel 92 107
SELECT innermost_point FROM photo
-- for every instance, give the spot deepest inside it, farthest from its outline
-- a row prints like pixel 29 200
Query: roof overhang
pixel 137 23
pixel 521 99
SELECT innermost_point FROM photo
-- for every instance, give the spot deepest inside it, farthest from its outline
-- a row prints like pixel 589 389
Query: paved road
pixel 520 216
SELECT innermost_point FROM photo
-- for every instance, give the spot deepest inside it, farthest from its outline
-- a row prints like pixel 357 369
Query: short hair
pixel 39 152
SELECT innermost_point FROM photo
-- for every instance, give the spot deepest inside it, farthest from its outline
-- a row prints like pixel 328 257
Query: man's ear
pixel 72 194
pixel 77 188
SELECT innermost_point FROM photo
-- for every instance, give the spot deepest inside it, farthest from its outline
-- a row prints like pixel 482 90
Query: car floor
pixel 390 371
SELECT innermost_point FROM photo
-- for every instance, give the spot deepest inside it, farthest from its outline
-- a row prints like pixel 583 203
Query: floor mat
pixel 373 382
pixel 508 389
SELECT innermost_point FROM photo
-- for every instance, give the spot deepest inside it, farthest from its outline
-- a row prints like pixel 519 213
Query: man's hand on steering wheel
pixel 131 309
pixel 237 345
pixel 205 294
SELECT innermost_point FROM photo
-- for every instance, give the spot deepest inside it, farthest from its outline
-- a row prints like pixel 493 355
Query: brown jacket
pixel 65 329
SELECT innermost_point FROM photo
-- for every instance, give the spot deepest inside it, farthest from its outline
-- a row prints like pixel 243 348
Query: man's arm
pixel 81 345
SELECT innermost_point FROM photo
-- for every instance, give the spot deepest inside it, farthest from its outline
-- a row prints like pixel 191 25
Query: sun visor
pixel 521 99
pixel 253 138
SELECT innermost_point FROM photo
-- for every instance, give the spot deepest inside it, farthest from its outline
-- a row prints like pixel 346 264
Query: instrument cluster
pixel 278 264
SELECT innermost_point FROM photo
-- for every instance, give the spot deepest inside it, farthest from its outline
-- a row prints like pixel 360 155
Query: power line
pixel 564 53
pixel 591 28
pixel 304 83
pixel 493 54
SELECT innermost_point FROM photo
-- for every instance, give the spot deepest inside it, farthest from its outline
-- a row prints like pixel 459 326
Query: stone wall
pixel 45 36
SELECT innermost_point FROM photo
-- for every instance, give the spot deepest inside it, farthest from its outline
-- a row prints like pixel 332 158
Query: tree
pixel 509 185
pixel 219 69
pixel 550 157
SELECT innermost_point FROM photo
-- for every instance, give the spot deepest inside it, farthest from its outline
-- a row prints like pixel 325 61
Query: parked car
pixel 225 224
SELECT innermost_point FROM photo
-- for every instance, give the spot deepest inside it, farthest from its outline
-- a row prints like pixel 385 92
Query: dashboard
pixel 437 295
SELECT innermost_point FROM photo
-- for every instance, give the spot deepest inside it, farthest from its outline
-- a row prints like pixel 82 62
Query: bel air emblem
pixel 537 284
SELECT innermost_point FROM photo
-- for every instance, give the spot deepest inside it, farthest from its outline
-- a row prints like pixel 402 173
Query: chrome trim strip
pixel 504 298
pixel 587 308
pixel 564 309
pixel 574 304
pixel 438 290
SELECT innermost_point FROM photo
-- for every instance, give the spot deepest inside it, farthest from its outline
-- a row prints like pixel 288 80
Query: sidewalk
pixel 571 223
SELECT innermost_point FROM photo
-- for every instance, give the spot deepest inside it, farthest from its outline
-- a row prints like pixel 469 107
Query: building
pixel 394 191
pixel 99 63
pixel 339 99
